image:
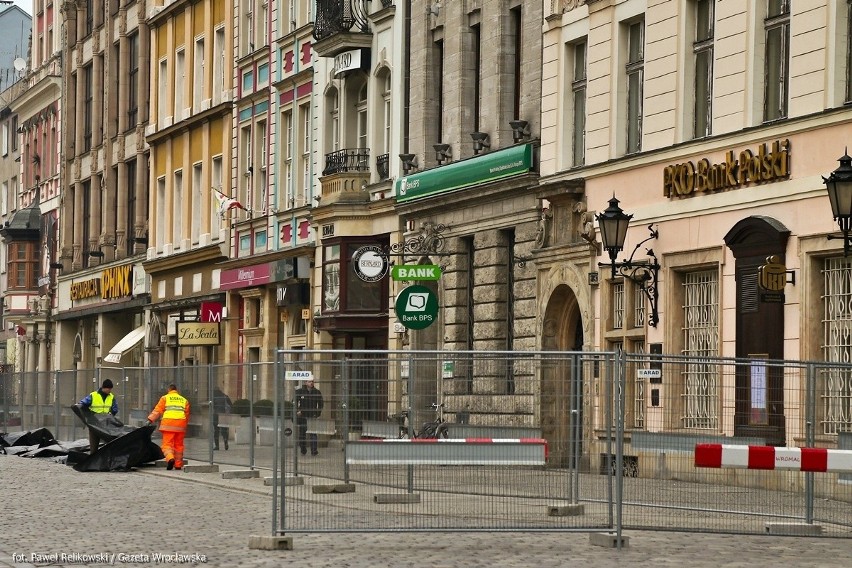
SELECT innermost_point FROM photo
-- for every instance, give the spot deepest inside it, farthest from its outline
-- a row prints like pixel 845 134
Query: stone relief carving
pixel 543 230
pixel 586 228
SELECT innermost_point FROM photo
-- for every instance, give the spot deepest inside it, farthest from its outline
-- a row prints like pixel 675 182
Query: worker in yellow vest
pixel 175 412
pixel 101 401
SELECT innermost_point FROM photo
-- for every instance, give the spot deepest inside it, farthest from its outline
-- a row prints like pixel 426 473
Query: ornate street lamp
pixel 839 186
pixel 613 223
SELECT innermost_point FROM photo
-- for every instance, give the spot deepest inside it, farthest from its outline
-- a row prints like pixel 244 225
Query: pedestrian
pixel 101 401
pixel 174 410
pixel 308 405
pixel 221 404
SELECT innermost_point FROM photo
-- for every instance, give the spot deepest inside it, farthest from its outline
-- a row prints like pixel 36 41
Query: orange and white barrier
pixel 770 457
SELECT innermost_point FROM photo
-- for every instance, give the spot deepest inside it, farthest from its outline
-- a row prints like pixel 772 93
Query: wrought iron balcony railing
pixel 339 16
pixel 347 160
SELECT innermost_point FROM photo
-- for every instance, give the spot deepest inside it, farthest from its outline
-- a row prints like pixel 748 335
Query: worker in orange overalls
pixel 175 412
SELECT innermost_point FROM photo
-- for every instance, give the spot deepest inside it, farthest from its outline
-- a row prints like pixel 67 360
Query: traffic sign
pixel 416 272
pixel 417 307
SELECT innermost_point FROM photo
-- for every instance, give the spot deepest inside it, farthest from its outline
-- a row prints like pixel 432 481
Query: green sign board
pixel 416 272
pixel 504 163
pixel 417 307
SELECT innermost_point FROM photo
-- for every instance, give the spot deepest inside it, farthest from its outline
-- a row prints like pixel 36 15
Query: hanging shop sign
pixel 406 272
pixel 370 263
pixel 198 333
pixel 768 163
pixel 508 162
pixel 417 307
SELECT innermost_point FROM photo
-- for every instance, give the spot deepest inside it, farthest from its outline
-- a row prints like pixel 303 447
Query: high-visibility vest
pixel 101 405
pixel 175 407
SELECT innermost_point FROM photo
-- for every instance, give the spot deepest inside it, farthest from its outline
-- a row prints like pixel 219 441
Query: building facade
pixel 712 123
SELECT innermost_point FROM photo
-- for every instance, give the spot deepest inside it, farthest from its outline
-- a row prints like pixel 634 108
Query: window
pixel 197 172
pixel 23 265
pixel 216 183
pixel 130 221
pixel 88 93
pixel 702 47
pixel 304 190
pixel 162 103
pixel 161 218
pixel 635 69
pixel 259 203
pixel 248 32
pixel 14 133
pixel 180 83
pixel 361 108
pixel 777 52
pixel 331 279
pixel 287 143
pixel 334 121
pixel 177 209
pixel 290 16
pixel 618 305
pixel 578 105
pixel 700 339
pixel 218 64
pixel 387 116
pixel 4 198
pixel 90 14
pixel 4 132
pixel 438 87
pixel 246 166
pixel 263 23
pixel 133 81
pixel 848 50
pixel 517 26
pixel 476 80
pixel 836 383
pixel 198 74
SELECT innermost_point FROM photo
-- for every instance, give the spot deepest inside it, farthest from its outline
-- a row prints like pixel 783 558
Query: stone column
pixel 43 370
pixel 30 378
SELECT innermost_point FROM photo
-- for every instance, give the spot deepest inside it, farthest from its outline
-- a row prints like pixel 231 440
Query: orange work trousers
pixel 173 446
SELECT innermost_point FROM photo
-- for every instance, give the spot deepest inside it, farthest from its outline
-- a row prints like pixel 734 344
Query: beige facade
pixel 723 193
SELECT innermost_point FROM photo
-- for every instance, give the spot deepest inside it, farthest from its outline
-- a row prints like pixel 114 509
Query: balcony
pixel 341 25
pixel 345 176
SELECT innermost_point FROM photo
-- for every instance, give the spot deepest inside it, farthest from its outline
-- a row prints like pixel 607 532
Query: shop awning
pixel 127 343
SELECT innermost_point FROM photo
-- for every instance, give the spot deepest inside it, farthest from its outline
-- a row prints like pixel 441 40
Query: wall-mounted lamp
pixel 96 253
pixel 94 341
pixel 520 129
pixel 249 171
pixel 409 163
pixel 443 153
pixel 480 141
pixel 613 223
pixel 139 240
pixel 317 198
pixel 839 186
pixel 57 265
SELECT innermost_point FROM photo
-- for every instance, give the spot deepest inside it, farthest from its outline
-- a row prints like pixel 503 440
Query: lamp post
pixel 613 223
pixel 839 187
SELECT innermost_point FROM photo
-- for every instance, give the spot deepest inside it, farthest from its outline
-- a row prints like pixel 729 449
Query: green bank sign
pixel 488 167
pixel 416 272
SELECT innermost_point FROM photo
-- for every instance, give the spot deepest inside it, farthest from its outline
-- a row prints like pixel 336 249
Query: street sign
pixel 370 263
pixel 298 376
pixel 416 272
pixel 417 307
pixel 648 373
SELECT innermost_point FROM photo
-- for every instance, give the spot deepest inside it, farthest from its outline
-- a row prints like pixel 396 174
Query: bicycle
pixel 433 430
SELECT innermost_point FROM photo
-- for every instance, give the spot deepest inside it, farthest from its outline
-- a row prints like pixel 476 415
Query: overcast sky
pixel 27 5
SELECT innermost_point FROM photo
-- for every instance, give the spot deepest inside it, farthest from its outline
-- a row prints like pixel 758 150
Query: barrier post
pixel 810 419
pixel 411 427
pixel 346 376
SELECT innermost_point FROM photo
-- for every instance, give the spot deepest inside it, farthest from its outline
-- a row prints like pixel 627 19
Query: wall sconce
pixel 96 253
pixel 443 153
pixel 613 223
pixel 520 130
pixel 94 341
pixel 839 187
pixel 480 142
pixel 139 240
pixel 57 266
pixel 409 163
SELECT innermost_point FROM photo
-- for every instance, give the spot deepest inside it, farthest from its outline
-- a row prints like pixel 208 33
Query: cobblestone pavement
pixel 49 509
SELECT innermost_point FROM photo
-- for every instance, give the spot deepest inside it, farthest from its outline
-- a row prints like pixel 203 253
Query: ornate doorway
pixel 561 379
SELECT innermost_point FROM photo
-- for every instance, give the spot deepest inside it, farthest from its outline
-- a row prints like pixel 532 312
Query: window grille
pixel 638 307
pixel 701 339
pixel 618 305
pixel 836 383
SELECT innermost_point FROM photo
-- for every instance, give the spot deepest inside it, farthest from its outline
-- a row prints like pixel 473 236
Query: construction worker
pixel 175 412
pixel 101 401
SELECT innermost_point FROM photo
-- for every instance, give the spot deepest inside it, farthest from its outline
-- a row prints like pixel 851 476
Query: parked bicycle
pixel 433 430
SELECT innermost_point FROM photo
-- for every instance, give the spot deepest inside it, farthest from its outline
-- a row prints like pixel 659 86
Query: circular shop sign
pixel 370 263
pixel 417 307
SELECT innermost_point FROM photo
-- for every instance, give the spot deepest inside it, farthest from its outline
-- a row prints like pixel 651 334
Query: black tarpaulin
pixel 124 452
pixel 126 447
pixel 38 438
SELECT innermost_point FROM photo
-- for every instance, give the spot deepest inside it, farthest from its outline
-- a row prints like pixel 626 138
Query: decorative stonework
pixel 543 231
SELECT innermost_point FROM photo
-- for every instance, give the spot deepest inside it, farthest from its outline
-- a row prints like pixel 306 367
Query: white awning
pixel 127 343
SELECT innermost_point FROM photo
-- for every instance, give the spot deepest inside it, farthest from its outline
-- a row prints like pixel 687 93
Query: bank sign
pixel 508 162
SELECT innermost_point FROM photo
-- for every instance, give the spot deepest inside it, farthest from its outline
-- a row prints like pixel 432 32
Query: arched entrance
pixel 561 379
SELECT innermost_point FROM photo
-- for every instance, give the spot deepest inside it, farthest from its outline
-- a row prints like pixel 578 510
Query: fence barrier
pixel 768 457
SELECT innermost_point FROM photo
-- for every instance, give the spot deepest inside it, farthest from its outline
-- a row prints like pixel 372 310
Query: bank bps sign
pixel 508 162
pixel 768 163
